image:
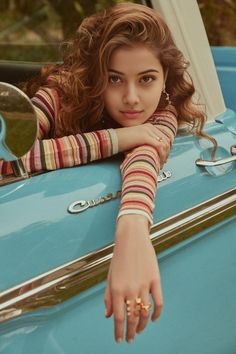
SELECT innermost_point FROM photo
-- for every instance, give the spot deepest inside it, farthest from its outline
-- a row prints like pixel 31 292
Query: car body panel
pixel 40 204
pixel 225 61
pixel 198 279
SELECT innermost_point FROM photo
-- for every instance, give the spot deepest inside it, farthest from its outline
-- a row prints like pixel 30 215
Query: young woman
pixel 120 88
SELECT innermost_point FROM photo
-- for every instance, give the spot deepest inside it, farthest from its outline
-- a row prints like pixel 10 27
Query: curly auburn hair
pixel 83 76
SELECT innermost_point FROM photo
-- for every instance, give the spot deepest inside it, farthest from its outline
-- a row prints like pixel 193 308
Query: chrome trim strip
pixel 70 279
pixel 5 180
pixel 8 179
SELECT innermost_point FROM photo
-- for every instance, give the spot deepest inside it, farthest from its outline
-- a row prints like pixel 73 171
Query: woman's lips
pixel 131 114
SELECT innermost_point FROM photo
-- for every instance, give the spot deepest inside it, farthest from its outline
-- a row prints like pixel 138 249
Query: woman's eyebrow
pixel 141 73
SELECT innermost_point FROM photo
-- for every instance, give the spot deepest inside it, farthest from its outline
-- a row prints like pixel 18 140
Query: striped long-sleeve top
pixel 139 169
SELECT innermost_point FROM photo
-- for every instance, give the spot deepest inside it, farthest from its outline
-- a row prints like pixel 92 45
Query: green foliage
pixel 27 26
pixel 219 17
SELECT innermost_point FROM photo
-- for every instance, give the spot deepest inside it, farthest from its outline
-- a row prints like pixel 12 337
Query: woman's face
pixel 136 80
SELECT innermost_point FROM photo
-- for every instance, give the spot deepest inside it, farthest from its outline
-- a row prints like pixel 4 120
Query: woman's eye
pixel 114 79
pixel 147 79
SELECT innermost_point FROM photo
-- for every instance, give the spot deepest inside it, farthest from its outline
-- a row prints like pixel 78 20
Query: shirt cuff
pixel 135 212
pixel 114 140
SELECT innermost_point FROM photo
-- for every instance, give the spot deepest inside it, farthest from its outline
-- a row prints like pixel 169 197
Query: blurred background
pixel 34 30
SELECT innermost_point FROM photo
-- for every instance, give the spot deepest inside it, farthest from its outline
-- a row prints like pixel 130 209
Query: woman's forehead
pixel 136 58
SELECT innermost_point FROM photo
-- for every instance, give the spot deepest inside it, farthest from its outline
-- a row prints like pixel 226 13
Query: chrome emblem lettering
pixel 163 176
pixel 81 205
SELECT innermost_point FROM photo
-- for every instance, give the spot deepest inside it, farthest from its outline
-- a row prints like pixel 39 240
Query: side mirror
pixel 18 123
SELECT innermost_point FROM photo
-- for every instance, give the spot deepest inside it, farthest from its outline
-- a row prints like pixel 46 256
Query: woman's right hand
pixel 133 273
pixel 145 134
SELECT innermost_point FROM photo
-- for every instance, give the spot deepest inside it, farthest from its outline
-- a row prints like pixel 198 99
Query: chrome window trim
pixel 70 279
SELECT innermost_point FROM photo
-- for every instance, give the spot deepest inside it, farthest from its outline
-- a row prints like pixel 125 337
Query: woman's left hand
pixel 133 274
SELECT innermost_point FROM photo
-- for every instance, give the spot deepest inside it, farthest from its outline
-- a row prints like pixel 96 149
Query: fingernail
pixel 106 312
pixel 130 340
pixel 119 340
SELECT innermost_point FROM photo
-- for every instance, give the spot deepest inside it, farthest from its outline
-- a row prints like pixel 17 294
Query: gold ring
pixel 146 307
pixel 159 139
pixel 128 308
pixel 137 306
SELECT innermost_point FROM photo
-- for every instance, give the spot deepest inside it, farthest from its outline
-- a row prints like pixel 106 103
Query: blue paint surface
pixel 38 230
pixel 225 61
pixel 198 279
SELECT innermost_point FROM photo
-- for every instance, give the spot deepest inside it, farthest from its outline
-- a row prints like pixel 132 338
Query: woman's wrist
pixel 132 225
pixel 124 139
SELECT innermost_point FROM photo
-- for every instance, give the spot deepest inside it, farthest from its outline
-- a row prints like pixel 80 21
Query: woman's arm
pixel 141 167
pixel 51 153
pixel 54 153
pixel 73 150
pixel 134 271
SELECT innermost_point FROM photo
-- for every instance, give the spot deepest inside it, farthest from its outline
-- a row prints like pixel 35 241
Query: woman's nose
pixel 131 96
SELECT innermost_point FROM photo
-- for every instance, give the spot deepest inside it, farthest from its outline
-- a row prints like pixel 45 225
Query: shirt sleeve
pixel 54 153
pixel 141 167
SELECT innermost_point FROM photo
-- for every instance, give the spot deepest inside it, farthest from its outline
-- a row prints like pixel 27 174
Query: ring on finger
pixel 159 139
pixel 128 307
pixel 139 305
pixel 146 307
pixel 138 302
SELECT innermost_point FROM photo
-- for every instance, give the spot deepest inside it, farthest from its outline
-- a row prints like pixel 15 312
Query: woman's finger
pixel 162 146
pixel 157 299
pixel 119 316
pixel 132 321
pixel 144 313
pixel 162 153
pixel 108 302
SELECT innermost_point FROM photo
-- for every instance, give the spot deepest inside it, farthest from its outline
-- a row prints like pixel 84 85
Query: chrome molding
pixel 70 279
pixel 8 179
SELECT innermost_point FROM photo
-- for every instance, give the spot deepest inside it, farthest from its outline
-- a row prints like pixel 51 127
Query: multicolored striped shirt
pixel 139 169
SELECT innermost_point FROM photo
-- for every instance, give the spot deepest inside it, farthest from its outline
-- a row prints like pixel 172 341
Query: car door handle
pixel 204 163
pixel 209 163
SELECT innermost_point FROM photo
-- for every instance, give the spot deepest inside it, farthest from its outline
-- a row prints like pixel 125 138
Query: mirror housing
pixel 18 123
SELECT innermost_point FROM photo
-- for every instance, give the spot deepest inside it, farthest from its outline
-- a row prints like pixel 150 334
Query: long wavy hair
pixel 83 75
